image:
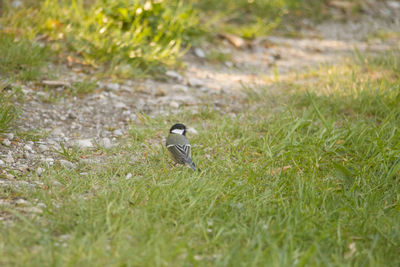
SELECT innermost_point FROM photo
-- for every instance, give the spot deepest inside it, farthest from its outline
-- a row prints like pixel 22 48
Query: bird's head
pixel 178 128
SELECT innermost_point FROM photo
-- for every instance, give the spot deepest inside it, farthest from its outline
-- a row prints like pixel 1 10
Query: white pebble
pixel 10 136
pixel 199 52
pixel 43 148
pixel 39 171
pixel 117 132
pixel 84 143
pixel 67 164
pixel 106 143
pixel 6 142
pixel 174 104
pixel 174 75
pixel 57 183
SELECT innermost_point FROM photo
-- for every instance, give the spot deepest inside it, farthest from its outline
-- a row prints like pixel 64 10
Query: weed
pixel 10 99
pixel 21 58
pixel 218 56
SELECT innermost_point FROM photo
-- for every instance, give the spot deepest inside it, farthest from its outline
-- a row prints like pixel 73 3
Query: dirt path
pixel 104 116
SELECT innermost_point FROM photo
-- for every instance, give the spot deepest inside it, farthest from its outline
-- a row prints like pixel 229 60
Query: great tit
pixel 179 146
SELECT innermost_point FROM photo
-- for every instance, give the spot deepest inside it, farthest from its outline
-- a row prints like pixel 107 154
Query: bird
pixel 179 146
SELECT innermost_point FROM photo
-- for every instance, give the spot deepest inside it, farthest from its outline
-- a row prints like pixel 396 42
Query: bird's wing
pixel 181 153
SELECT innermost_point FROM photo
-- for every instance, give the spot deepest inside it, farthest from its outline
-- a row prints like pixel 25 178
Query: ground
pixel 217 76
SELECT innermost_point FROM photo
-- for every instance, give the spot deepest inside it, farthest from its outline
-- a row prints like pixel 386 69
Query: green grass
pixel 306 175
pixel 9 110
pixel 145 36
pixel 218 56
pixel 133 38
pixel 20 58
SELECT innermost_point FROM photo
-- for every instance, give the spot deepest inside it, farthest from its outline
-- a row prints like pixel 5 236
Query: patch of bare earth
pixel 104 117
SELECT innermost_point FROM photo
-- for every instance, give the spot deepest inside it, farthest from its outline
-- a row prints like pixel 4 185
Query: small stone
pixel 120 105
pixel 393 4
pixel 194 82
pixel 9 159
pixel 65 237
pixel 133 117
pixel 174 75
pixel 126 88
pixel 160 92
pixel 180 87
pixel 43 148
pixel 23 168
pixel 71 115
pixel 57 183
pixel 33 210
pixel 10 136
pixel 39 171
pixel 84 143
pixel 49 161
pixel 174 104
pixel 112 86
pixel 2 163
pixel 118 132
pixel 27 147
pixel 22 202
pixel 16 4
pixel 6 142
pixel 199 52
pixel 30 143
pixel 197 257
pixel 9 176
pixel 67 164
pixel 58 131
pixel 41 205
pixel 106 143
pixel 229 64
pixel 29 156
pixel 128 176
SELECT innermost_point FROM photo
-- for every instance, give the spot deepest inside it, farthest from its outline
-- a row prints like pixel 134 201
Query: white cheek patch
pixel 177 131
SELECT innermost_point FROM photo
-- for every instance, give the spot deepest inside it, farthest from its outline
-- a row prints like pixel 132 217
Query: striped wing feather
pixel 181 153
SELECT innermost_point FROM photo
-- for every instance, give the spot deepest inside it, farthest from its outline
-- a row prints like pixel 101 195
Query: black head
pixel 178 128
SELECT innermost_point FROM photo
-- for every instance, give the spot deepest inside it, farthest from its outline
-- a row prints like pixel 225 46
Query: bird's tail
pixel 193 166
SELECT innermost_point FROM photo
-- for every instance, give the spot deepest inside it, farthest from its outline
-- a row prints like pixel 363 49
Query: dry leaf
pixel 280 169
pixel 352 249
pixel 344 5
pixel 237 41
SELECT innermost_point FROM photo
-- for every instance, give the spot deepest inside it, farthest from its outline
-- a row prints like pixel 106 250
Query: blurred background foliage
pixel 134 36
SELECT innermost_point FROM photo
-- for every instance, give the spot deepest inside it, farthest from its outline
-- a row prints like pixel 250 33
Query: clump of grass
pixel 145 35
pixel 21 58
pixel 82 88
pixel 9 111
pixel 218 56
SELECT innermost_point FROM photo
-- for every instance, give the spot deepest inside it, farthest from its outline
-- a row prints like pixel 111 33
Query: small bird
pixel 179 147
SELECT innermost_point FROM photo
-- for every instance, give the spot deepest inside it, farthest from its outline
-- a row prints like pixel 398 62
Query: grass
pixel 307 175
pixel 217 56
pixel 143 35
pixel 9 109
pixel 131 38
pixel 20 58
